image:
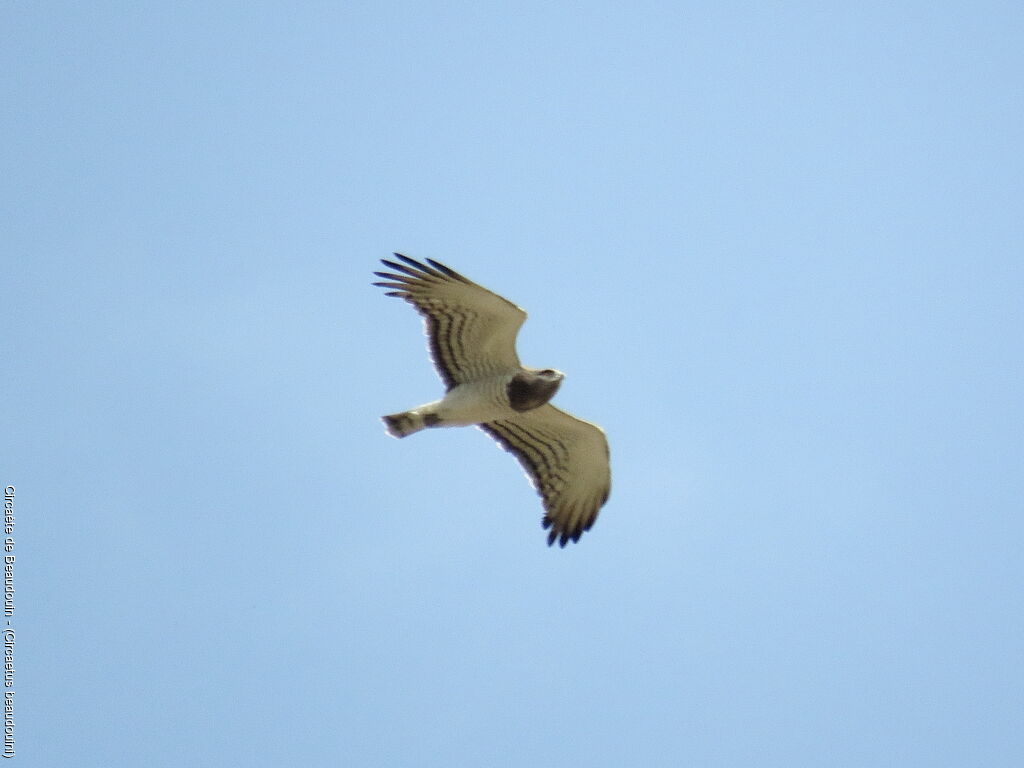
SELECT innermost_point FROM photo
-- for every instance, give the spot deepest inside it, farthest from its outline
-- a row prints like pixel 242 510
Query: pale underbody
pixel 474 403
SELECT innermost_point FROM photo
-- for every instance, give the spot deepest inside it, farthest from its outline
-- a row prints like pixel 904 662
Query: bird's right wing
pixel 472 331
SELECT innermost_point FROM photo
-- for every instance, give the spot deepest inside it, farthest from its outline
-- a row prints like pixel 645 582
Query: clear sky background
pixel 778 248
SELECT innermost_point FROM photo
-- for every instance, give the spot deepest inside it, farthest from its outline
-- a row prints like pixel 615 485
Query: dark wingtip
pixel 418 274
pixel 418 269
pixel 448 271
pixel 563 536
pixel 413 263
pixel 392 276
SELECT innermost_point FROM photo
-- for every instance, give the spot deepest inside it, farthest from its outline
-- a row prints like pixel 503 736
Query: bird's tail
pixel 403 424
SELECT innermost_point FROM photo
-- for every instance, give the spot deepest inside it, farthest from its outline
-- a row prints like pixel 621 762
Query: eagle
pixel 472 340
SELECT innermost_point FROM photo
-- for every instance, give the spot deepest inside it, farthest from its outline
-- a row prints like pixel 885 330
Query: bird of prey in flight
pixel 472 340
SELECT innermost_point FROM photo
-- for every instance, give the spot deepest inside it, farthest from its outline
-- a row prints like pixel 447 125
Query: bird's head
pixel 531 388
pixel 548 380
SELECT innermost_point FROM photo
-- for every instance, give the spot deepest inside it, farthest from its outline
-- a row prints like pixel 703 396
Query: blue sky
pixel 777 248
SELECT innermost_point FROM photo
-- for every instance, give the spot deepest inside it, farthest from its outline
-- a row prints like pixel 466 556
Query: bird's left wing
pixel 566 459
pixel 472 331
